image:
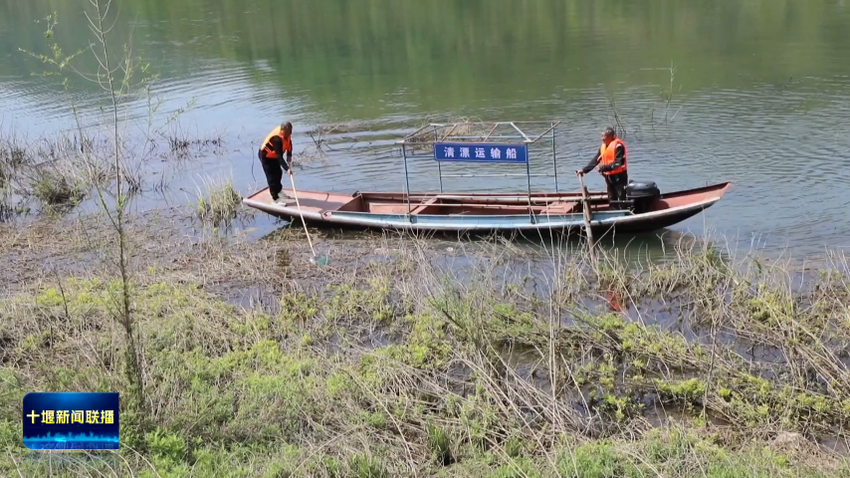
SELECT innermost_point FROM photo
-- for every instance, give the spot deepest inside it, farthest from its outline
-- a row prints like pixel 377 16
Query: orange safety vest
pixel 269 149
pixel 608 156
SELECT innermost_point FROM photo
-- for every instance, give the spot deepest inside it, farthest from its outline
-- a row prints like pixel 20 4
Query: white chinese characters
pixel 481 152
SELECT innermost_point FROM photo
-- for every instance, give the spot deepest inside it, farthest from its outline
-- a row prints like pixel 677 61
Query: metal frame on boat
pixel 492 143
pixel 447 142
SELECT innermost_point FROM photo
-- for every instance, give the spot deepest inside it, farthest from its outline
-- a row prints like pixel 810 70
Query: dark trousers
pixel 617 187
pixel 274 174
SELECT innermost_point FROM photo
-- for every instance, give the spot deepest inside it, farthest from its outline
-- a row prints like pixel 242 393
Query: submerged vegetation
pixel 396 364
pixel 50 171
pixel 57 174
pixel 220 206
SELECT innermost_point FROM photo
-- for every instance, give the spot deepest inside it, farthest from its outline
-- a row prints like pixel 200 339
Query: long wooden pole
pixel 314 258
pixel 586 209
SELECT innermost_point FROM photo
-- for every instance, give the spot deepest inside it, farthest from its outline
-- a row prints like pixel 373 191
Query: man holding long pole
pixel 271 157
pixel 611 161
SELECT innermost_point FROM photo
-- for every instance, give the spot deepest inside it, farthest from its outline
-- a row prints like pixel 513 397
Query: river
pixel 756 92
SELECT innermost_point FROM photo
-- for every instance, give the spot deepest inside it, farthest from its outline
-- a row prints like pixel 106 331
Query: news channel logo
pixel 71 421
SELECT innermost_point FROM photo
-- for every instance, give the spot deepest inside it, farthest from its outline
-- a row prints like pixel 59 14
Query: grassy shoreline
pixel 410 364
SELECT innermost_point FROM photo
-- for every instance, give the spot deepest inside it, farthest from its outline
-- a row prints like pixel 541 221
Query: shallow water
pixel 760 91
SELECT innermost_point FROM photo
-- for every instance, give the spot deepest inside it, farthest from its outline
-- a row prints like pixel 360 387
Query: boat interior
pixel 450 204
pixel 382 203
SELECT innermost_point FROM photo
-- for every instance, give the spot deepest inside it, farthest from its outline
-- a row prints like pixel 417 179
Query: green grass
pixel 388 373
pixel 220 205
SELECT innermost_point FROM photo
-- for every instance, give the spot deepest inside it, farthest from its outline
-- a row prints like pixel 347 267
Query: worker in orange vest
pixel 271 156
pixel 611 161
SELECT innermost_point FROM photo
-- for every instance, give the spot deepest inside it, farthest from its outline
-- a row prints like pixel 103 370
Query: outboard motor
pixel 641 194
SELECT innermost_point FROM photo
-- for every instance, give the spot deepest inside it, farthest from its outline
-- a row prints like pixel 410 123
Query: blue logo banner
pixel 481 152
pixel 71 421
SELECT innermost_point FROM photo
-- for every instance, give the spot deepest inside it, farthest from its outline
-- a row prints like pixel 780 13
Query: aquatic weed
pixel 220 205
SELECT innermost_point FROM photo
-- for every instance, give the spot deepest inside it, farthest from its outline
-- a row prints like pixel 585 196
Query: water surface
pixel 751 91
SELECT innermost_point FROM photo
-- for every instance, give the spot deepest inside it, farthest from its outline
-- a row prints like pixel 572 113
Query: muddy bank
pixel 431 357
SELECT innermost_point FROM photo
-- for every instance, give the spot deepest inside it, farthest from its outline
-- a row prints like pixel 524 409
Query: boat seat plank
pixel 387 207
pixel 433 206
pixel 519 208
pixel 424 206
pixel 561 207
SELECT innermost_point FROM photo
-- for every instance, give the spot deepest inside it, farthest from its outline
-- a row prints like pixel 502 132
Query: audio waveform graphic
pixel 71 441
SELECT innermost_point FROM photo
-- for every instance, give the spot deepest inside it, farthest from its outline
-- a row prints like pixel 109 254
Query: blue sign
pixel 71 421
pixel 481 152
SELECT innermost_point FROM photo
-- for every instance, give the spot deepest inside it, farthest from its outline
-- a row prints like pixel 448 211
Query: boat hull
pixel 484 212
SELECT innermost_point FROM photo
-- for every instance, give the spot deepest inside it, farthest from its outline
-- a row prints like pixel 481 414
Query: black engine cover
pixel 642 190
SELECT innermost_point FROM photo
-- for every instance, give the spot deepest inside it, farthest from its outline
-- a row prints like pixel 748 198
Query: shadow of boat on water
pixel 659 245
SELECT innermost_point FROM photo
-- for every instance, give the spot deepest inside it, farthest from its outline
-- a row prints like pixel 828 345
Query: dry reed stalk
pixel 445 356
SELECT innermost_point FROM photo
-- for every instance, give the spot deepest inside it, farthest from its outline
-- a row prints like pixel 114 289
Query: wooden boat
pixel 492 142
pixel 487 212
